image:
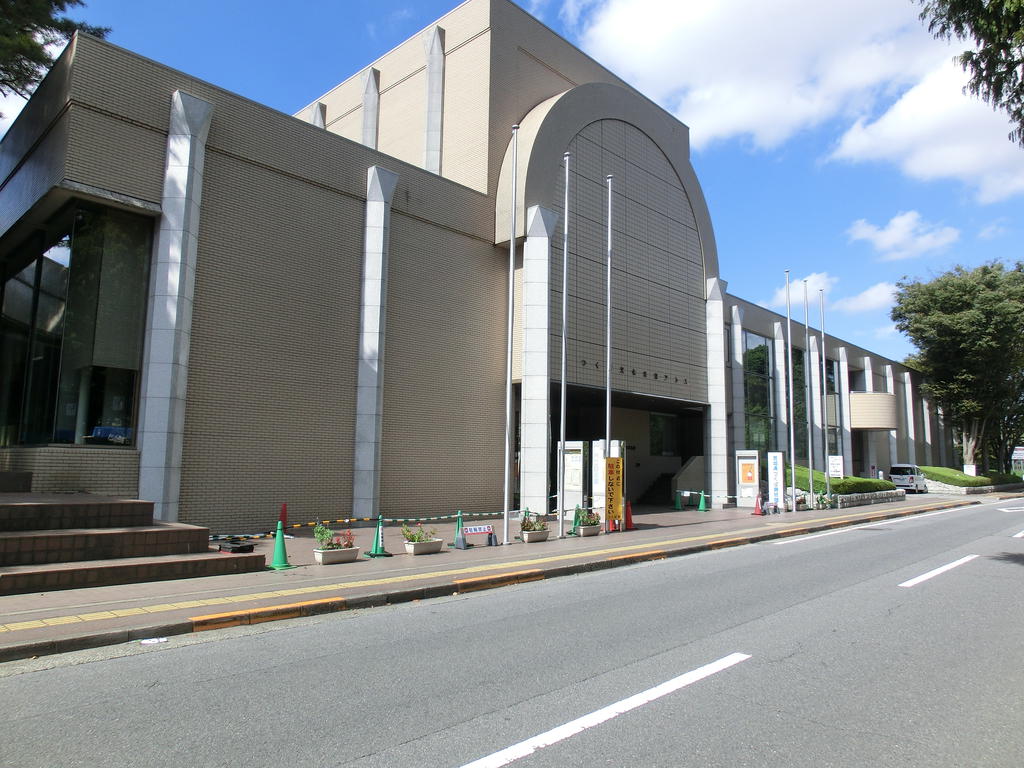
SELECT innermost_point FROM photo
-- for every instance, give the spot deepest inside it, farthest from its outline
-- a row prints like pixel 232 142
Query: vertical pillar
pixel 318 115
pixel 739 420
pixel 717 466
pixel 380 188
pixel 169 314
pixel 870 449
pixel 781 405
pixel 940 423
pixel 371 106
pixel 890 387
pixel 536 379
pixel 816 414
pixel 926 423
pixel 844 411
pixel 908 398
pixel 433 42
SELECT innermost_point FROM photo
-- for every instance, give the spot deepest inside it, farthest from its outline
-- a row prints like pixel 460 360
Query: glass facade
pixel 71 327
pixel 758 367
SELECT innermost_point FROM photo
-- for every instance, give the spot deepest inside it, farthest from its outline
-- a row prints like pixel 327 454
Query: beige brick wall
pixel 72 469
pixel 444 372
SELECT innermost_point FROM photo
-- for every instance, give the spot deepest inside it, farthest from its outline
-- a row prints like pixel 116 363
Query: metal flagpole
pixel 809 403
pixel 565 320
pixel 792 426
pixel 608 353
pixel 824 394
pixel 508 361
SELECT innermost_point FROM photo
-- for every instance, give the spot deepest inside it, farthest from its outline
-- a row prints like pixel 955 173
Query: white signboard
pixel 1018 453
pixel 835 466
pixel 776 479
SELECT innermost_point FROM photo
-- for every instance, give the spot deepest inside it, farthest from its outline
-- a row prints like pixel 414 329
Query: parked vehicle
pixel 909 477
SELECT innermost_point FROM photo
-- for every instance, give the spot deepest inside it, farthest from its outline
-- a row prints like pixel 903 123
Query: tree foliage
pixel 968 327
pixel 995 63
pixel 28 31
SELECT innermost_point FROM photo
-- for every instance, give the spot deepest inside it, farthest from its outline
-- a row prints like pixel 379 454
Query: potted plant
pixel 533 528
pixel 420 540
pixel 589 523
pixel 334 547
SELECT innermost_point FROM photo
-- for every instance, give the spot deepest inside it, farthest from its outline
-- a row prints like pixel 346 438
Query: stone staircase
pixel 65 541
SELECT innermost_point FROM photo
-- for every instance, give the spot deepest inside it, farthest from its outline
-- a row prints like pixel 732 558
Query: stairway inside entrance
pixel 659 493
pixel 66 541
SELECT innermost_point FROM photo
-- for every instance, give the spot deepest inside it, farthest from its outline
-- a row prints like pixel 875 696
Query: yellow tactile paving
pixel 728 538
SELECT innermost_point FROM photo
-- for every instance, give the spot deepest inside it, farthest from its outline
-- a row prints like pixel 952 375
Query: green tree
pixel 28 30
pixel 968 327
pixel 996 61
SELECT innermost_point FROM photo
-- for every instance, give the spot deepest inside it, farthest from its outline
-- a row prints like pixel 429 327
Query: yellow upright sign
pixel 613 488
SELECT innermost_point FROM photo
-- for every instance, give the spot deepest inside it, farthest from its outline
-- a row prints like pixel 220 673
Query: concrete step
pixel 76 544
pixel 19 579
pixel 37 512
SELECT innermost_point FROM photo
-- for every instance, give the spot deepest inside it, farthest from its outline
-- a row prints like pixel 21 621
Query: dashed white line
pixel 580 724
pixel 1019 535
pixel 948 567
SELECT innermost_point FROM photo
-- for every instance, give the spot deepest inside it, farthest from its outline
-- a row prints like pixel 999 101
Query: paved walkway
pixel 54 622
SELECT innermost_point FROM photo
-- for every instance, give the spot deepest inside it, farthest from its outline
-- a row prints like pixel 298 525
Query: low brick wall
pixel 74 469
pixel 934 486
pixel 875 497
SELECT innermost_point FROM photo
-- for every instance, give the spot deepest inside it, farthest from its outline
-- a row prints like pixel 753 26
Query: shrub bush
pixel 843 485
pixel 959 479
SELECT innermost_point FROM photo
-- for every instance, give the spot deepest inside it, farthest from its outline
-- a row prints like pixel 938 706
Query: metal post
pixel 824 394
pixel 565 321
pixel 608 353
pixel 511 312
pixel 792 426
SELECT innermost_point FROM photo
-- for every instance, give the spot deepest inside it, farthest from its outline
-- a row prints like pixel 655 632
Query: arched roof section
pixel 547 130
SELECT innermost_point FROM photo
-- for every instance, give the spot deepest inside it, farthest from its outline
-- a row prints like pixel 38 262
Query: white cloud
pixel 815 281
pixel 935 132
pixel 764 70
pixel 886 331
pixel 991 231
pixel 878 296
pixel 868 69
pixel 904 237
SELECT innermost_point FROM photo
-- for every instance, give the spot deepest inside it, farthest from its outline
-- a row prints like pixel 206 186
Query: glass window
pixel 72 326
pixel 758 397
pixel 664 434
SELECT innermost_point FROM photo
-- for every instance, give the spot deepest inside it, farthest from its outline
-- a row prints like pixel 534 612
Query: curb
pixel 322 606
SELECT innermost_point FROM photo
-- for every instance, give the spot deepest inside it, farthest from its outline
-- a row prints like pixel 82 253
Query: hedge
pixel 959 479
pixel 841 485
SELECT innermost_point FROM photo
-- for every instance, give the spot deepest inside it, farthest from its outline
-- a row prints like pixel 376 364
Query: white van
pixel 909 477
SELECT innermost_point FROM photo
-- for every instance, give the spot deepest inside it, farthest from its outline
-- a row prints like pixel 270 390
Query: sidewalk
pixel 55 622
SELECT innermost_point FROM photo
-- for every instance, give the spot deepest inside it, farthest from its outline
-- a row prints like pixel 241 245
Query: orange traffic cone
pixel 629 517
pixel 757 506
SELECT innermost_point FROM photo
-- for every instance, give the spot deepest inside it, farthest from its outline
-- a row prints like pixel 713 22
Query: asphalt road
pixel 824 650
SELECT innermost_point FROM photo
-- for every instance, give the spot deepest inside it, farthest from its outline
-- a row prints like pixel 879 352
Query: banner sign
pixel 776 479
pixel 835 466
pixel 613 488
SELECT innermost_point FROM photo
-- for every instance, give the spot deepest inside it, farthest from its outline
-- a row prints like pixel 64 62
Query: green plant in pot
pixel 332 547
pixel 533 528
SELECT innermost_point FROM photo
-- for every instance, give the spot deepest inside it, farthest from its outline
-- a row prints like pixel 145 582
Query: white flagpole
pixel 508 361
pixel 807 397
pixel 824 394
pixel 565 320
pixel 608 351
pixel 789 389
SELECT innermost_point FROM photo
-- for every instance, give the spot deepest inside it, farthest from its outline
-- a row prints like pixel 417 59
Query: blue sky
pixel 831 139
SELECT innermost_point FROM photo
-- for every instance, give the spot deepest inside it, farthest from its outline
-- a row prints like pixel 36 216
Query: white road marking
pixel 1010 509
pixel 580 724
pixel 872 524
pixel 1019 535
pixel 925 576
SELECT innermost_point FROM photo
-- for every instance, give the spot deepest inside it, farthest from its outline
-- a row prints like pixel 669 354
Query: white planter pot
pixel 530 536
pixel 588 530
pixel 424 547
pixel 332 556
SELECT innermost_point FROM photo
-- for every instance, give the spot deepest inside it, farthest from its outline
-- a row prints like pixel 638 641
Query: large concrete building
pixel 220 307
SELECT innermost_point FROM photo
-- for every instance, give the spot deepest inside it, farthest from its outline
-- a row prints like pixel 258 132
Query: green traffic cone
pixel 377 550
pixel 280 562
pixel 702 505
pixel 460 536
pixel 677 500
pixel 575 522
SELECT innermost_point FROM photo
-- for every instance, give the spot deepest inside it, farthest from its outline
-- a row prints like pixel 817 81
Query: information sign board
pixel 613 488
